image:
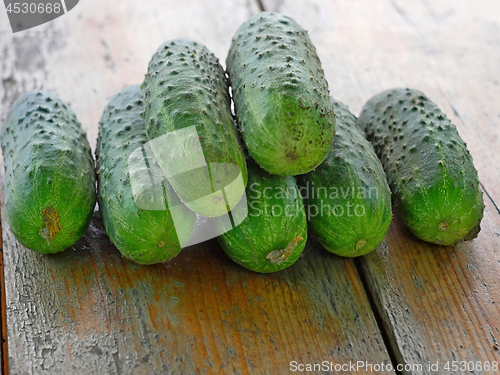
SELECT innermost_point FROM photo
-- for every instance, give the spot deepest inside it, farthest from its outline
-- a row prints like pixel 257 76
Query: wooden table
pixel 88 310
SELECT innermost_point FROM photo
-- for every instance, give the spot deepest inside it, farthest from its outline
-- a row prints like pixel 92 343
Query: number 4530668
pixel 34 8
pixel 466 366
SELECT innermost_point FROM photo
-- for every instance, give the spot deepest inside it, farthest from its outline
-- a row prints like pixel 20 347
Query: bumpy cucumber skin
pixel 143 236
pixel 186 86
pixel 429 169
pixel 351 175
pixel 281 95
pixel 49 173
pixel 266 231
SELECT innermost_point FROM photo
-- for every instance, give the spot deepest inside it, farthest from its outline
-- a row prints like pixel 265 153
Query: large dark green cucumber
pixel 274 233
pixel 49 181
pixel 347 198
pixel 132 199
pixel 281 95
pixel 189 123
pixel 429 169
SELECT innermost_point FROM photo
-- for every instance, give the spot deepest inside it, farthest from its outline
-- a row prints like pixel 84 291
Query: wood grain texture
pixel 436 303
pixel 90 311
pixel 439 303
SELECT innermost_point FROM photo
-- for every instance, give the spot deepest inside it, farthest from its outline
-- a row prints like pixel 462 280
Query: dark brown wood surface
pixel 436 303
pixel 88 310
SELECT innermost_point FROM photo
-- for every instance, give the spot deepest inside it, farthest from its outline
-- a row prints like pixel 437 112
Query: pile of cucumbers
pixel 290 158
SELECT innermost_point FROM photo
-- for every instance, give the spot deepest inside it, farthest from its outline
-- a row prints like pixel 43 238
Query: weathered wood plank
pixel 88 310
pixel 437 303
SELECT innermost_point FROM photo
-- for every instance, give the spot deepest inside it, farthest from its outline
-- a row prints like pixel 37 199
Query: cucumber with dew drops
pixel 49 184
pixel 429 169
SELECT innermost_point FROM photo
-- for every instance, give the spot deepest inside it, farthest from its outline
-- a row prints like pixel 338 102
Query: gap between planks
pixel 260 5
pixel 490 197
pixel 392 347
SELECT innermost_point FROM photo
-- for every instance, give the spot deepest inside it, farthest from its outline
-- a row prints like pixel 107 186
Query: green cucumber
pixel 188 119
pixel 348 201
pixel 281 95
pixel 429 169
pixel 274 233
pixel 131 191
pixel 49 184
